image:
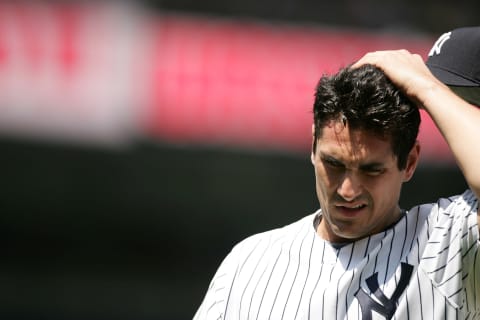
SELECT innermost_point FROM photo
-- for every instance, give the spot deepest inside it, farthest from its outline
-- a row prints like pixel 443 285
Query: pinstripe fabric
pixel 291 273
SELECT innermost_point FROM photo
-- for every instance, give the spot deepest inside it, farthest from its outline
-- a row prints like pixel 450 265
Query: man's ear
pixel 412 161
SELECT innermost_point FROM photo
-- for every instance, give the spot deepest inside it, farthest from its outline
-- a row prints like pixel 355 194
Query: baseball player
pixel 361 256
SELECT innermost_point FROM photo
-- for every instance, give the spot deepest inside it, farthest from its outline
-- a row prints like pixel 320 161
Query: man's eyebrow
pixel 371 166
pixel 331 159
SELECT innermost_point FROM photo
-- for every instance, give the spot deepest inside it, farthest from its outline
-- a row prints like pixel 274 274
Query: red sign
pixel 103 73
pixel 251 85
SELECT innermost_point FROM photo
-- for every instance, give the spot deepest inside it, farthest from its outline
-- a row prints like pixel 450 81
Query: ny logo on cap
pixel 437 47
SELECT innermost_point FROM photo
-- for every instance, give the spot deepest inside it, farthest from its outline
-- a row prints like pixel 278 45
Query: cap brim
pixel 450 78
pixel 468 93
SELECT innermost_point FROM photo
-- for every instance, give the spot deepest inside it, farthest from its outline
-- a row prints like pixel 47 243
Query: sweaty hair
pixel 367 100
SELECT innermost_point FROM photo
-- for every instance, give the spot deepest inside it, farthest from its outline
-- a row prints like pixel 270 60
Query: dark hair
pixel 369 101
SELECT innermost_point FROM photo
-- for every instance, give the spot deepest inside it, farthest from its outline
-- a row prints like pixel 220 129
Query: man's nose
pixel 349 187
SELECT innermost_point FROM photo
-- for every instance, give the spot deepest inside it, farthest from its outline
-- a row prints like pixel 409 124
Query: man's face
pixel 358 182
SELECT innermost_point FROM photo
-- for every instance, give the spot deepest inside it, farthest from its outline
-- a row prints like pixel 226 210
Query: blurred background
pixel 139 141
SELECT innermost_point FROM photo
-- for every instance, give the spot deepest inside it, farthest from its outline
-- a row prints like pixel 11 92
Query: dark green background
pixel 137 233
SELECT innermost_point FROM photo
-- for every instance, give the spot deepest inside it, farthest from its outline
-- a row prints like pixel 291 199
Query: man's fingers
pixel 380 58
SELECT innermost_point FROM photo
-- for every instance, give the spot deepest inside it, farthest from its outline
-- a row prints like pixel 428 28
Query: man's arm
pixel 457 120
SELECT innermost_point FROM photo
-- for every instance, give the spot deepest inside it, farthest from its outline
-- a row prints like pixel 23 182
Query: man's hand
pixel 406 70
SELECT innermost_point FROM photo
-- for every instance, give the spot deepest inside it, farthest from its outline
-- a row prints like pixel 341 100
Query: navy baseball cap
pixel 455 60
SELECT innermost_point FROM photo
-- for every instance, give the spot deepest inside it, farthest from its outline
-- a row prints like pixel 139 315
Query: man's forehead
pixel 357 145
pixel 343 132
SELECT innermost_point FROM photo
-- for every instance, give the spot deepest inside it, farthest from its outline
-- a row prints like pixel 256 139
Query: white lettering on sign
pixel 66 71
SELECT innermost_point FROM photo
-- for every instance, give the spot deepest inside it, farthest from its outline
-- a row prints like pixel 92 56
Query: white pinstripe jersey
pixel 427 266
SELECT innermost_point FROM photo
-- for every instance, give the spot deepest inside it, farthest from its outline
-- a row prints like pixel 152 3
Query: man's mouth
pixel 351 210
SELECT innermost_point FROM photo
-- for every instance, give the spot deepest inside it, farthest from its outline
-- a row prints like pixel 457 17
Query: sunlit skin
pixel 358 182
